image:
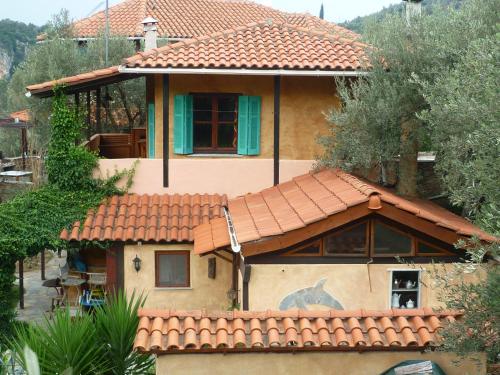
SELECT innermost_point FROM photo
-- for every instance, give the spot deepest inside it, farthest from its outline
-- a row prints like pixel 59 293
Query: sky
pixel 40 11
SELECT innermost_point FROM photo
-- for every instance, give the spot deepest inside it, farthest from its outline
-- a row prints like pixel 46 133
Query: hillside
pixel 15 37
pixel 357 23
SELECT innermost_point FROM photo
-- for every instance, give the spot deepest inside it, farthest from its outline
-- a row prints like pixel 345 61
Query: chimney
pixel 150 33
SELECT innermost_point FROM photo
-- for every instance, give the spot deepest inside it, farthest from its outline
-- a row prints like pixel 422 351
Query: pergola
pixel 19 120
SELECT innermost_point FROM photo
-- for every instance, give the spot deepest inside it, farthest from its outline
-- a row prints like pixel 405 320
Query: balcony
pixel 119 145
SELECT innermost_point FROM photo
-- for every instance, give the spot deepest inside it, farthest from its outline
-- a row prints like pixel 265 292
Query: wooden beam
pixel 24 146
pixel 277 95
pixel 98 126
pixel 88 116
pixel 234 284
pixel 42 264
pixel 21 283
pixel 247 270
pixel 77 102
pixel 166 127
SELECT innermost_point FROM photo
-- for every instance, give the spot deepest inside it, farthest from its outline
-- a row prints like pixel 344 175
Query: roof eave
pixel 245 71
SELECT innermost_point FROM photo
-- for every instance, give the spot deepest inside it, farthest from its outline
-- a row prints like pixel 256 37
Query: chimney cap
pixel 149 20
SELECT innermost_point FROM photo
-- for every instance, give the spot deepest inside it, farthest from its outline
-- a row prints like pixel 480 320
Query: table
pixel 16 174
pixel 70 283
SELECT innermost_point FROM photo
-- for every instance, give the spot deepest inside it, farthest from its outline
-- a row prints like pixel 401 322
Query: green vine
pixel 32 221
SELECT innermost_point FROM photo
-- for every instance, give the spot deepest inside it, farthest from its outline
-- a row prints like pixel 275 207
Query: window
pixel 374 237
pixel 389 241
pixel 352 241
pixel 405 289
pixel 215 125
pixel 172 269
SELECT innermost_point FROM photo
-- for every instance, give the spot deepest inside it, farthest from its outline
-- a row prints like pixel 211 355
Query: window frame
pixel 295 251
pixel 419 286
pixel 372 252
pixel 159 253
pixel 442 252
pixel 367 240
pixel 214 122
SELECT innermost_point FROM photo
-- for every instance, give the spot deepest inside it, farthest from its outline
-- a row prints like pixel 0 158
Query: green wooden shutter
pixel 151 130
pixel 183 124
pixel 249 125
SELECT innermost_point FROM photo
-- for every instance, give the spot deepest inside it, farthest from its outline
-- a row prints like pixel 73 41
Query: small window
pixel 405 289
pixel 389 241
pixel 309 249
pixel 172 269
pixel 349 242
pixel 426 249
pixel 215 122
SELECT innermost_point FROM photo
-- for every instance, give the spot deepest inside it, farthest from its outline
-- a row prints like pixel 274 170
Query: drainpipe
pixel 236 248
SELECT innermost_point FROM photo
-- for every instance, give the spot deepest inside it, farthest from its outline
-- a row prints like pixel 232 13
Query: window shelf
pixel 405 290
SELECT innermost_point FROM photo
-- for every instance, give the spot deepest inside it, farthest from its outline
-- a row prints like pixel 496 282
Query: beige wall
pixel 348 283
pixel 338 363
pixel 203 293
pixel 233 176
pixel 304 102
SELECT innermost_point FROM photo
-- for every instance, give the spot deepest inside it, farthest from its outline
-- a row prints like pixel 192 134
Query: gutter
pixel 235 246
pixel 247 72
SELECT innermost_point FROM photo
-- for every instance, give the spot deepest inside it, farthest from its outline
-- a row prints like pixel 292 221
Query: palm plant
pixel 63 345
pixel 116 325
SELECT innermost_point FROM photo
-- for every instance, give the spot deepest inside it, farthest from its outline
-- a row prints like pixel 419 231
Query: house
pixel 226 213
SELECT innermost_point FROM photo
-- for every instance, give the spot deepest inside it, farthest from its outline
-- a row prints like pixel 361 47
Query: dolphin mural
pixel 314 295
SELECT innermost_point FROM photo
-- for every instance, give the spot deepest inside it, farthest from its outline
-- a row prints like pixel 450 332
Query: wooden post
pixel 98 101
pixel 88 115
pixel 77 102
pixel 234 286
pixel 21 284
pixel 166 101
pixel 42 264
pixel 277 94
pixel 24 146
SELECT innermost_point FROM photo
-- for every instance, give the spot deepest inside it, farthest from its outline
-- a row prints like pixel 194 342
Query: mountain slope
pixel 358 23
pixel 15 37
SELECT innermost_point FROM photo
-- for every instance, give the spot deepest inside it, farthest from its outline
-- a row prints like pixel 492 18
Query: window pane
pixel 202 135
pixel 389 241
pixel 226 136
pixel 172 269
pixel 202 108
pixel 347 242
pixel 227 108
pixel 309 249
pixel 424 248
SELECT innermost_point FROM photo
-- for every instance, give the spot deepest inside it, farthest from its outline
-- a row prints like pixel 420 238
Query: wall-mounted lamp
pixel 137 263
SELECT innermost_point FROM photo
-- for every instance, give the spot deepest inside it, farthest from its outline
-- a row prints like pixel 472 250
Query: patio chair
pixel 97 284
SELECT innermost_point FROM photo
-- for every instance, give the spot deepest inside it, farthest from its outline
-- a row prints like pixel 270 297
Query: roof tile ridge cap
pixel 288 203
pixel 294 179
pixel 350 178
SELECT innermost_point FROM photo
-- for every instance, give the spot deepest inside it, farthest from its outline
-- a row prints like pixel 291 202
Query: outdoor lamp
pixel 137 263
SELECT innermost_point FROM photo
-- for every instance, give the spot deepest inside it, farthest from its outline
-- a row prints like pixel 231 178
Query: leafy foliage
pixel 368 130
pixel 102 344
pixel 33 220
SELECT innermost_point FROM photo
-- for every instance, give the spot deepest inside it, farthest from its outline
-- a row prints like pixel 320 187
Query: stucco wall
pixel 203 293
pixel 304 102
pixel 339 363
pixel 349 284
pixel 234 176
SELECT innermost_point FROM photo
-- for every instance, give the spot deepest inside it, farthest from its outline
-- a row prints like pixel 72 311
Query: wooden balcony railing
pixel 119 145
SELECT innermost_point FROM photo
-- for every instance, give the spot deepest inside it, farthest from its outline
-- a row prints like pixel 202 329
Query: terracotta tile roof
pixel 164 331
pixel 265 45
pixel 157 218
pixel 310 198
pixel 22 115
pixel 192 18
pixel 76 79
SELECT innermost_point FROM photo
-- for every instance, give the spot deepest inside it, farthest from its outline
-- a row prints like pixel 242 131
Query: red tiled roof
pixel 264 45
pixel 22 115
pixel 157 218
pixel 192 18
pixel 310 198
pixel 76 79
pixel 164 331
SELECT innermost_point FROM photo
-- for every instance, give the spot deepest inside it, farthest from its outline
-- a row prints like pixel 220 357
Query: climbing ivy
pixel 32 221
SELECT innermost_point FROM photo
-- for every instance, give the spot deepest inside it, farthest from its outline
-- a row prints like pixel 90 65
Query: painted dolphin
pixel 315 295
